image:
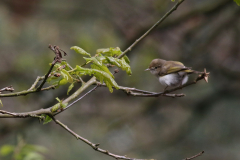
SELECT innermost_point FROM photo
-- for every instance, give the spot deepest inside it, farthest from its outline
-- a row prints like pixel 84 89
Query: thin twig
pixel 35 83
pixel 6 112
pixel 197 155
pixel 23 93
pixel 9 88
pixel 45 77
pixel 58 58
pixel 94 146
pixel 93 89
pixel 35 114
pixel 154 26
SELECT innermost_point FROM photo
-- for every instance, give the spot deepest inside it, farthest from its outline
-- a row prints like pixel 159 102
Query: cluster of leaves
pixel 22 151
pixel 63 74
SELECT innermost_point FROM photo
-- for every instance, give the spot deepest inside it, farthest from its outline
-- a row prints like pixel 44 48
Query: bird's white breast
pixel 173 79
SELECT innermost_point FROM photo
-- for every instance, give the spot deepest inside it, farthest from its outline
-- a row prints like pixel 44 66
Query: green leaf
pixel 6 150
pixel 59 105
pixel 102 68
pixel 63 81
pixel 66 65
pixel 120 63
pixel 1 102
pixel 47 119
pixel 238 2
pixel 110 51
pixel 70 88
pixel 66 76
pixel 126 59
pixel 98 64
pixel 100 75
pixel 64 105
pixel 58 100
pixel 94 60
pixel 55 107
pixel 173 0
pixel 80 51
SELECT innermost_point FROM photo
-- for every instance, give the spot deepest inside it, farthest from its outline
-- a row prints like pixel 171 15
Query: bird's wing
pixel 176 67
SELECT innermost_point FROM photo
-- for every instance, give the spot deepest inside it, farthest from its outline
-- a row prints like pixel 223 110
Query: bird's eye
pixel 156 67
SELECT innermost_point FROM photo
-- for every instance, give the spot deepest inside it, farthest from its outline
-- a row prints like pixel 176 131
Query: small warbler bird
pixel 169 73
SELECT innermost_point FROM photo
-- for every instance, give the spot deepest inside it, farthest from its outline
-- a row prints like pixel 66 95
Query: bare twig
pixel 35 83
pixel 58 58
pixel 154 26
pixel 195 156
pixel 93 89
pixel 9 88
pixel 8 113
pixel 94 146
pixel 45 78
pixel 23 93
pixel 37 113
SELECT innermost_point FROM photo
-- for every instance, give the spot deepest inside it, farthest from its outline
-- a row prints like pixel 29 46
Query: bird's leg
pixel 182 77
pixel 165 88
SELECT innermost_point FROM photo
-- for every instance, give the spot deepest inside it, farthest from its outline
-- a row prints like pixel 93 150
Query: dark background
pixel 201 34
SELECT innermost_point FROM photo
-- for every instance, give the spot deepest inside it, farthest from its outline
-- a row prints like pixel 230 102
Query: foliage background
pixel 199 34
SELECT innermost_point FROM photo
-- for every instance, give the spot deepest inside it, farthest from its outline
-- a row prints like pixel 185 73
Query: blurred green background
pixel 201 34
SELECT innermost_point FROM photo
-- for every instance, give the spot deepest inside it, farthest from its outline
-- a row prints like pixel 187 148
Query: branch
pixel 58 58
pixel 9 88
pixel 93 89
pixel 142 93
pixel 94 146
pixel 197 155
pixel 48 111
pixel 23 93
pixel 35 83
pixel 153 27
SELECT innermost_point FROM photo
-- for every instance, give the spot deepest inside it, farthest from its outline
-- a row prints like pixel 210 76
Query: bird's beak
pixel 147 69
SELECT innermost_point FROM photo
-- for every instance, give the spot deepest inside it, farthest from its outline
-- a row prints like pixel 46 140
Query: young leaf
pixel 80 51
pixel 66 65
pixel 55 107
pixel 94 60
pixel 64 105
pixel 110 51
pixel 66 76
pixel 102 68
pixel 47 119
pixel 63 81
pixel 120 63
pixel 126 59
pixel 100 75
pixel 70 88
pixel 58 100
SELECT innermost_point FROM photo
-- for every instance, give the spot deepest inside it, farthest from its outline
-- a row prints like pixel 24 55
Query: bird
pixel 170 73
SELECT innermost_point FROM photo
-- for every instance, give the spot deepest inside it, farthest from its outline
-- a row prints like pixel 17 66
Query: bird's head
pixel 155 66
